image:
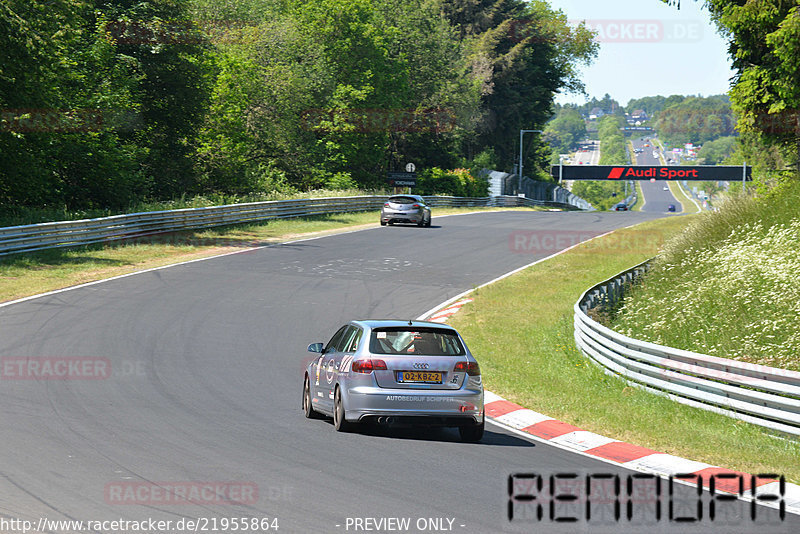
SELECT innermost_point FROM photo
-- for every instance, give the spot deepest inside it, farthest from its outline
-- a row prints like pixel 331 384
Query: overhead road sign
pixel 713 173
pixel 402 179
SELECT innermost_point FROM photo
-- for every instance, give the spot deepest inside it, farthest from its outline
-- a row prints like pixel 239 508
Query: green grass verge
pixel 520 329
pixel 729 286
pixel 22 275
pixel 683 198
pixel 639 197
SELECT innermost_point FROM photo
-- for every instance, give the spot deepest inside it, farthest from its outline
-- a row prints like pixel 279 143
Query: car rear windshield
pixel 403 200
pixel 405 340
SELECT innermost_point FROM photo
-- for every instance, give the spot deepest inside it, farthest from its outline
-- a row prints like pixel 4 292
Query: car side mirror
pixel 316 347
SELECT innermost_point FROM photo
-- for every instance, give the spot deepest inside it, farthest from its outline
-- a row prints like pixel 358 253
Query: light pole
pixel 521 132
pixel 561 167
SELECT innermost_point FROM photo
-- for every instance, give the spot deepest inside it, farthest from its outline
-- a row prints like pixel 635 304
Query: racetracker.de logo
pixel 180 492
pixel 546 241
pixel 52 120
pixel 368 120
pixel 54 368
pixel 179 32
pixel 617 30
pixel 552 241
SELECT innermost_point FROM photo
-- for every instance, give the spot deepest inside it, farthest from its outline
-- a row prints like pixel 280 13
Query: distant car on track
pixel 621 207
pixel 406 209
pixel 396 372
pixel 666 188
pixel 671 207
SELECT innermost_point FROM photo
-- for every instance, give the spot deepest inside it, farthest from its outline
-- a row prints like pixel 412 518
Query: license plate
pixel 424 377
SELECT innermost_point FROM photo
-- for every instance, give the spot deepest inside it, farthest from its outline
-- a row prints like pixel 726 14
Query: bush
pixel 457 182
pixel 341 180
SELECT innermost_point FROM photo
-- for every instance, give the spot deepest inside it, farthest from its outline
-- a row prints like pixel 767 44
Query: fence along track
pixel 32 237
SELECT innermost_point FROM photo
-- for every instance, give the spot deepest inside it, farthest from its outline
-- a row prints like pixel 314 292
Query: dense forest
pixel 764 47
pixel 108 102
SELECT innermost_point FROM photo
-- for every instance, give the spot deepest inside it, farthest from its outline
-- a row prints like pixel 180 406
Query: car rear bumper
pixel 463 406
pixel 403 217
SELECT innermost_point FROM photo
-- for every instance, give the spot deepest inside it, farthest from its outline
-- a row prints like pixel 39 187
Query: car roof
pixel 407 196
pixel 395 323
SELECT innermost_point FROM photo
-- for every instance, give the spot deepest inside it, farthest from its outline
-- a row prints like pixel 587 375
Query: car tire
pixel 428 224
pixel 383 223
pixel 471 433
pixel 421 223
pixel 308 408
pixel 339 422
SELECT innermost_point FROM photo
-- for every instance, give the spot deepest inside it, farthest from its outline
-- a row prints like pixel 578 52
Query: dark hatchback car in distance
pixel 406 209
pixel 621 207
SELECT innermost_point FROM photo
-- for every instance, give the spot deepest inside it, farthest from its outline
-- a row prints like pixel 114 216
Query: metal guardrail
pixel 758 394
pixel 32 237
pixel 508 201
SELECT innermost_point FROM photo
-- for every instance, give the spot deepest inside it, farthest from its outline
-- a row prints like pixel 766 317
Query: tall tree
pixel 566 130
pixel 764 45
pixel 173 66
pixel 527 53
pixel 696 120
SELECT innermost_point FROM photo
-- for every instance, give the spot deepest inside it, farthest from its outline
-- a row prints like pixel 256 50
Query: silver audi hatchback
pixel 406 209
pixel 396 372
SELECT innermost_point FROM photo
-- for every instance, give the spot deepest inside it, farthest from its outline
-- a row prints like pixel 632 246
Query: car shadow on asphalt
pixel 432 226
pixel 490 437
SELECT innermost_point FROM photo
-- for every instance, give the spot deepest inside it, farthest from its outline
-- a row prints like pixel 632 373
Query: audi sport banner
pixel 712 173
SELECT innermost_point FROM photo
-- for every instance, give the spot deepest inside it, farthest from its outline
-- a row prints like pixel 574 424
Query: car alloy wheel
pixel 308 408
pixel 339 421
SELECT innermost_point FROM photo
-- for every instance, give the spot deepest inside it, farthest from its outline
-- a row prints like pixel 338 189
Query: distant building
pixel 639 115
pixel 596 113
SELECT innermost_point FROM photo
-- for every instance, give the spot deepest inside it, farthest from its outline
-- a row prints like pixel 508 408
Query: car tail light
pixel 367 366
pixel 415 206
pixel 385 204
pixel 471 368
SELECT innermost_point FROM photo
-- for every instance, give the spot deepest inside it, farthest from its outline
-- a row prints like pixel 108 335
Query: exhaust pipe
pixel 383 420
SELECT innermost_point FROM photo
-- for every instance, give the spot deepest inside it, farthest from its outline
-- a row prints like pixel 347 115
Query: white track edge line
pixel 448 302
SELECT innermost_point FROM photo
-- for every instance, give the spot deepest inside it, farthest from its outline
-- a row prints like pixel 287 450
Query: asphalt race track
pixel 206 363
pixel 656 199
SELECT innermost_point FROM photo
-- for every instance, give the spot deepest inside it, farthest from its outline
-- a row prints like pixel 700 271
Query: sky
pixel 648 48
